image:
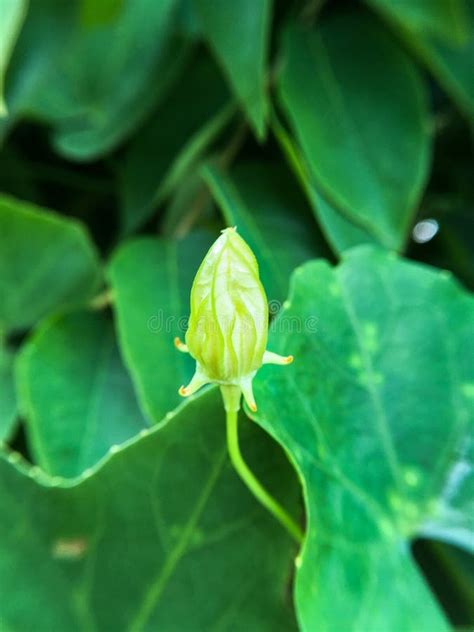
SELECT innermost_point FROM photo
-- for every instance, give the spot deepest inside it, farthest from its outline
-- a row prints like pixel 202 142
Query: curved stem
pixel 252 483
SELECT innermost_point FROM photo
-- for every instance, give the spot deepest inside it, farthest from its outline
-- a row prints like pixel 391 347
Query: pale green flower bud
pixel 228 325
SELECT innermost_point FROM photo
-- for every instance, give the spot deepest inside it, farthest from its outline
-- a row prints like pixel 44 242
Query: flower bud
pixel 228 325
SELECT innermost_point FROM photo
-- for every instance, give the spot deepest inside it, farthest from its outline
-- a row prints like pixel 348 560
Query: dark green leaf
pixel 163 537
pixel 377 414
pixel 173 139
pixel 8 406
pixel 46 262
pixel 13 14
pixel 441 19
pixel 94 13
pixel 238 34
pixel 340 231
pixel 98 86
pixel 151 280
pixel 358 108
pixel 75 393
pixel 264 202
pixel 449 61
pixel 190 201
pixel 35 55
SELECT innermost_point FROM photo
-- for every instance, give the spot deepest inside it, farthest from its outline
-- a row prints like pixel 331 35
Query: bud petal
pixel 228 326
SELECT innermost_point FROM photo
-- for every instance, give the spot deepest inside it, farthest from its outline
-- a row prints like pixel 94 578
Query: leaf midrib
pixel 159 583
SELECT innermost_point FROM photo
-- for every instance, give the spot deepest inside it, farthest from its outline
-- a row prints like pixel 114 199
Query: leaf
pixel 238 35
pixel 75 393
pixel 190 200
pixel 443 20
pixel 34 55
pixel 81 90
pixel 340 232
pixel 151 281
pixel 450 62
pixel 94 13
pixel 357 106
pixel 172 140
pixel 164 537
pixel 271 215
pixel 13 15
pixel 46 262
pixel 7 394
pixel 376 413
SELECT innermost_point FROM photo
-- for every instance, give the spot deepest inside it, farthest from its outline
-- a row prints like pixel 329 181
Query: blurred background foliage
pixel 131 132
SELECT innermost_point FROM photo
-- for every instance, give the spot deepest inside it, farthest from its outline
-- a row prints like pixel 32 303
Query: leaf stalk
pixel 257 489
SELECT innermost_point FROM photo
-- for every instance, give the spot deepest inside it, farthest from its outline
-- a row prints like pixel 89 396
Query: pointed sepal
pixel 198 380
pixel 274 358
pixel 247 392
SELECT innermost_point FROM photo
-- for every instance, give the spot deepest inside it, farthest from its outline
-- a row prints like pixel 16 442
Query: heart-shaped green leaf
pixel 376 412
pixel 163 537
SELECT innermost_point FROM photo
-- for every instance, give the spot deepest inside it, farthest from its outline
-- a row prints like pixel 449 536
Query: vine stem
pixel 247 476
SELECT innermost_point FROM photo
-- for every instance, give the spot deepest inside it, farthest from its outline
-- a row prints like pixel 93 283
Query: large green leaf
pixel 75 393
pixel 151 281
pixel 449 59
pixel 46 262
pixel 357 106
pixel 8 405
pixel 172 140
pixel 13 14
pixel 340 231
pixel 238 34
pixel 377 414
pixel 99 85
pixel 163 537
pixel 264 202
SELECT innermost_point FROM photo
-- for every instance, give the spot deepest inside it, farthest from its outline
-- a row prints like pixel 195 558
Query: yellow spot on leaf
pixel 411 476
pixel 467 390
pixel 69 548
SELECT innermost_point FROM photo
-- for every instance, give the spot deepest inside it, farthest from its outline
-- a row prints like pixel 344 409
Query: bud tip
pixel 231 229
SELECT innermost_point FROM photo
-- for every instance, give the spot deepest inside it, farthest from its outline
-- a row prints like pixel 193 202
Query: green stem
pixel 252 483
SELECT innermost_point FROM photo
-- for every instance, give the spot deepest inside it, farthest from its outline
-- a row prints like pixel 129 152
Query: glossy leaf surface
pixel 163 537
pixel 75 393
pixel 330 75
pixel 382 458
pixel 46 262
